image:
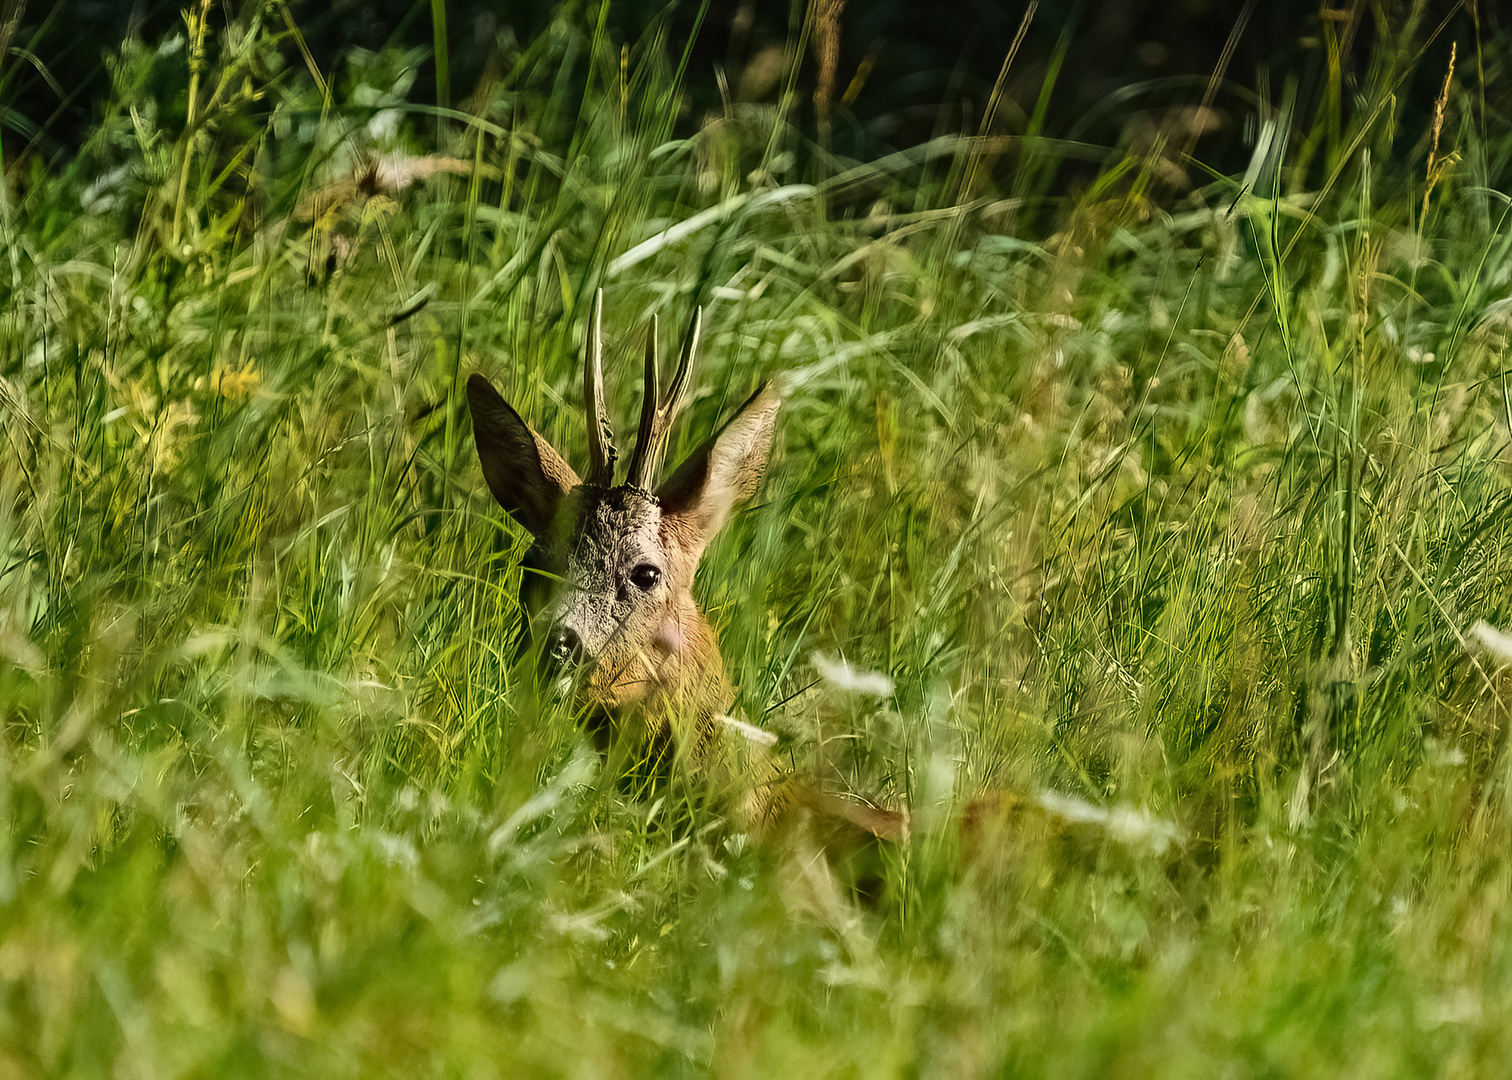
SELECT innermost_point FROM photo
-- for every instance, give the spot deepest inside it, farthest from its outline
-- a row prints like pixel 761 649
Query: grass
pixel 1183 504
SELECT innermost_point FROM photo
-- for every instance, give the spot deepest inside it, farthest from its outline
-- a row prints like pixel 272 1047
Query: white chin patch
pixel 563 685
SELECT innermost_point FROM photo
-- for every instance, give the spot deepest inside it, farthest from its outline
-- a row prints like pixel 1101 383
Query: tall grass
pixel 1181 506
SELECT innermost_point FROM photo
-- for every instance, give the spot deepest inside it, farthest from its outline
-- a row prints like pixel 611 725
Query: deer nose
pixel 564 647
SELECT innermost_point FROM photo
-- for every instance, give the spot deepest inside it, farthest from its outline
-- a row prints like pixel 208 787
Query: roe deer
pixel 608 578
pixel 610 572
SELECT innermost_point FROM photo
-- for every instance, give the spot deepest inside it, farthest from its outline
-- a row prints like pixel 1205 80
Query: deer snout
pixel 564 646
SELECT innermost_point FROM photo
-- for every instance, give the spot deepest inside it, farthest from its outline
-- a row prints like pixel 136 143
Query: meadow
pixel 1172 500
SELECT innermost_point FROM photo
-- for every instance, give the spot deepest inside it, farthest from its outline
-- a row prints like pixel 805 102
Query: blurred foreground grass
pixel 1187 506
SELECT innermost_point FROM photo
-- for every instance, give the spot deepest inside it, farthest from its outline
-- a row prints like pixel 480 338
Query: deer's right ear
pixel 525 473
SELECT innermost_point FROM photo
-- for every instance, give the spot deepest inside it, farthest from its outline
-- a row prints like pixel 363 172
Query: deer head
pixel 609 575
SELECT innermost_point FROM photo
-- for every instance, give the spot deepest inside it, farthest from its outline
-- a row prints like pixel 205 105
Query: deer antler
pixel 658 410
pixel 601 450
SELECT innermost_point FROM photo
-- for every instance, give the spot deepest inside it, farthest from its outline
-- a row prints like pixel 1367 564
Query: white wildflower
pixel 750 732
pixel 1496 642
pixel 1128 824
pixel 838 673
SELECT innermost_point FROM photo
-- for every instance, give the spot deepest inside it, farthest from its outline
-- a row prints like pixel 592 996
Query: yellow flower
pixel 236 383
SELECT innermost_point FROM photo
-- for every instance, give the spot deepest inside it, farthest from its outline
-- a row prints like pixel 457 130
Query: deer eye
pixel 645 576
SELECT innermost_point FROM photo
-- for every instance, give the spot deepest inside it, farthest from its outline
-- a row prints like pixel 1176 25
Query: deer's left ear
pixel 726 470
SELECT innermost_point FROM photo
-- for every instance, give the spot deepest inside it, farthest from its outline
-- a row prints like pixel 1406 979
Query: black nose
pixel 563 646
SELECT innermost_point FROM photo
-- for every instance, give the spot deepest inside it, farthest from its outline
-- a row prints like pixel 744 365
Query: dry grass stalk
pixel 968 185
pixel 1435 166
pixel 827 44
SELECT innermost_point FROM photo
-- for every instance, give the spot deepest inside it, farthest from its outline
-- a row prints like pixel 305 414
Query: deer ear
pixel 725 470
pixel 526 475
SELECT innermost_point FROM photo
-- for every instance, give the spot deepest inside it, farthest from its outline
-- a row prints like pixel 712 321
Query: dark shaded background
pixel 931 65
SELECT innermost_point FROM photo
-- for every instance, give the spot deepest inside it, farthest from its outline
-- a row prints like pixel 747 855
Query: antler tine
pixel 601 450
pixel 650 405
pixel 684 367
pixel 658 411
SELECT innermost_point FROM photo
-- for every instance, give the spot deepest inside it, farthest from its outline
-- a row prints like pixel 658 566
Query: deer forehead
pixel 617 529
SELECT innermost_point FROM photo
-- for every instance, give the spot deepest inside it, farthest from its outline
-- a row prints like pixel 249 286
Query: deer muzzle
pixel 563 647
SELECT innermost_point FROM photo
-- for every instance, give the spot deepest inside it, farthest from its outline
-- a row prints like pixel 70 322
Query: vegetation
pixel 1181 512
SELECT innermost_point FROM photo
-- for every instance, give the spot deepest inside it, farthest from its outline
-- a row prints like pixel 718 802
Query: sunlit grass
pixel 1180 507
